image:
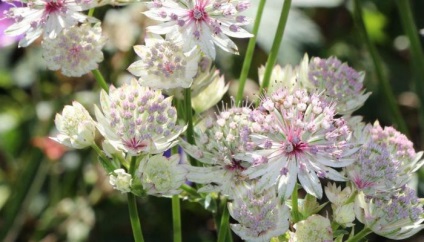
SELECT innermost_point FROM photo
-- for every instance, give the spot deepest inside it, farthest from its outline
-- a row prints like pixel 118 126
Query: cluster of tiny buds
pixel 399 143
pixel 165 59
pixel 338 79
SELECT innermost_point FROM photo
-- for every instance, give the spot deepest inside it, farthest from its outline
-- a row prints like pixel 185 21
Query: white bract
pixel 120 180
pixel 45 16
pixel 76 51
pixel 203 23
pixel 76 127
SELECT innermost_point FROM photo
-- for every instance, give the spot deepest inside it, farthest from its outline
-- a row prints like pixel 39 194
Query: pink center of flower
pixel 235 166
pixel 134 144
pixel 74 50
pixel 53 6
pixel 198 14
pixel 294 146
pixel 362 184
pixel 169 67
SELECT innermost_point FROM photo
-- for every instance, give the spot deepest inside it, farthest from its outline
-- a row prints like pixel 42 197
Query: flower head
pixel 164 65
pixel 343 212
pixel 261 216
pixel 397 216
pixel 301 139
pixel 385 161
pixel 314 228
pixel 341 83
pixel 203 23
pixel 120 180
pixel 162 176
pixel 76 51
pixel 216 143
pixel 45 16
pixel 76 127
pixel 137 119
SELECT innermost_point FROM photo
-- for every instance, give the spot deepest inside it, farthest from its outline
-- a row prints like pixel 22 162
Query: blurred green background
pixel 49 193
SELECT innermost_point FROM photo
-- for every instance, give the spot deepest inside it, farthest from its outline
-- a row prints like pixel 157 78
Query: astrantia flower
pixel 76 51
pixel 341 83
pixel 385 161
pixel 396 217
pixel 287 77
pixel 314 228
pixel 76 127
pixel 162 176
pixel 211 94
pixel 216 144
pixel 164 65
pixel 120 180
pixel 137 119
pixel 45 16
pixel 302 139
pixel 203 23
pixel 259 214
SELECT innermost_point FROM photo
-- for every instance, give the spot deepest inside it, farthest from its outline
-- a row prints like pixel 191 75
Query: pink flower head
pixel 203 23
pixel 301 139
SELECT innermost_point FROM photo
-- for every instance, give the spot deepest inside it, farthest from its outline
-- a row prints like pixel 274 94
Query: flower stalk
pixel 272 58
pixel 249 53
pixel 132 208
pixel 223 227
pixel 176 218
pixel 100 79
pixel 359 236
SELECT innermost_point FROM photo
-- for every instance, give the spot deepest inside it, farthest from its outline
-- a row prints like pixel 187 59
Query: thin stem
pixel 272 58
pixel 190 191
pixel 249 53
pixel 416 51
pixel 295 206
pixel 384 82
pixel 100 79
pixel 103 159
pixel 176 218
pixel 189 120
pixel 225 220
pixel 359 236
pixel 132 207
pixel 91 12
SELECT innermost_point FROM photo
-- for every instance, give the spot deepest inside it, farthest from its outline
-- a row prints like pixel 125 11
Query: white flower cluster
pixel 302 131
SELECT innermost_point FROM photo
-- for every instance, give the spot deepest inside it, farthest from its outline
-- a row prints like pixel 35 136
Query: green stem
pixel 132 207
pixel 91 12
pixel 272 58
pixel 359 236
pixel 176 218
pixel 295 206
pixel 103 159
pixel 410 29
pixel 384 82
pixel 189 120
pixel 225 220
pixel 190 191
pixel 249 53
pixel 100 79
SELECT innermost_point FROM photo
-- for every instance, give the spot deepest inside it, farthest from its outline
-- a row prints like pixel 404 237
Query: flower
pixel 137 119
pixel 343 211
pixel 314 228
pixel 203 23
pixel 385 161
pixel 164 65
pixel 341 83
pixel 261 216
pixel 211 94
pixel 301 139
pixel 76 51
pixel 397 216
pixel 216 143
pixel 76 127
pixel 162 176
pixel 287 77
pixel 120 180
pixel 45 16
